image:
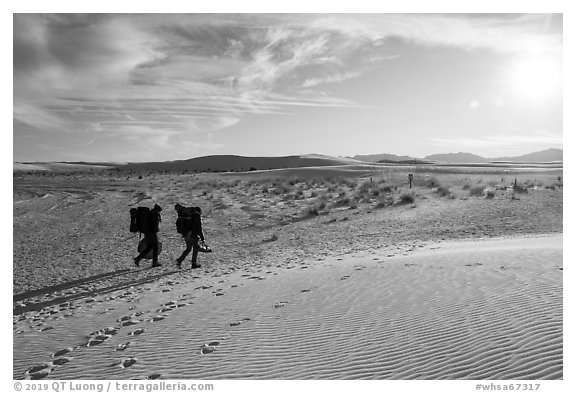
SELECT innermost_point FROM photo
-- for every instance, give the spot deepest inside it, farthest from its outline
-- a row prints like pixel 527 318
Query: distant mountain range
pixel 548 155
pixel 226 163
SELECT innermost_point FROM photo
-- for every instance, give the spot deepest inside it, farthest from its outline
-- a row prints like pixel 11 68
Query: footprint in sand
pixel 171 305
pixel 109 331
pixel 130 322
pixel 158 318
pixel 61 361
pixel 203 287
pixel 207 348
pixel 122 347
pixel 97 340
pixel 137 332
pixel 239 322
pixel 61 352
pixel 345 277
pixel 305 290
pixel 153 376
pixel 125 362
pixel 38 372
pixel 280 304
pixel 218 292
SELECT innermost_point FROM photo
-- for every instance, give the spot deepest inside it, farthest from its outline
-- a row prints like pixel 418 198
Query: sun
pixel 535 78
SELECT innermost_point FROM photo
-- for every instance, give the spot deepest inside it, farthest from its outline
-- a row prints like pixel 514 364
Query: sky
pixel 159 87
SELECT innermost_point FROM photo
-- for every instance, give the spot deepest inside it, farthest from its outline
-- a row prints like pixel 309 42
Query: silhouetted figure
pixel 193 236
pixel 151 238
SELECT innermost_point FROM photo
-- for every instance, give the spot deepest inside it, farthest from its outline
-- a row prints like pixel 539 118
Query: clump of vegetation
pixel 489 194
pixel 384 202
pixel 317 208
pixel 343 201
pixel 477 191
pixel 520 190
pixel 433 183
pixel 443 190
pixel 272 238
pixel 406 199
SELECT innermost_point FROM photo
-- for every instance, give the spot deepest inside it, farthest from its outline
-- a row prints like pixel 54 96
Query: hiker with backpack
pixel 189 225
pixel 147 222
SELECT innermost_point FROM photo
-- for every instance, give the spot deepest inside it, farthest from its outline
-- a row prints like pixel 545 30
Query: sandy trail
pixel 485 309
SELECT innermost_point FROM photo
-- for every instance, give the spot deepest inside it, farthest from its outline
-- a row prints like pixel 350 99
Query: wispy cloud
pixel 168 76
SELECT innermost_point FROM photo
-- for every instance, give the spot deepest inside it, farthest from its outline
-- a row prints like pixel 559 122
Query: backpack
pixel 141 220
pixel 184 220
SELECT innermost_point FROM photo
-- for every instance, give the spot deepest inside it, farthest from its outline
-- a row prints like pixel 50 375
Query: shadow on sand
pixel 125 273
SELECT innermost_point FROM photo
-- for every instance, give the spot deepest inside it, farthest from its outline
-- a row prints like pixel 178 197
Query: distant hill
pixel 466 158
pixel 456 158
pixel 221 163
pixel 540 156
pixel 381 158
pixel 233 163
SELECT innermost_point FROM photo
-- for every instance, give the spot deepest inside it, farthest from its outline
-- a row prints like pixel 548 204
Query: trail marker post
pixel 410 177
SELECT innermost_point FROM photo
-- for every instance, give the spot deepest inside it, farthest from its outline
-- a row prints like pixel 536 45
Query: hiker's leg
pixel 185 253
pixel 194 256
pixel 195 248
pixel 188 241
pixel 144 252
pixel 155 253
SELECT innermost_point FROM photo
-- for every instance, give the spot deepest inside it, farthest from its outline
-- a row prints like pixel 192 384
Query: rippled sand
pixel 487 309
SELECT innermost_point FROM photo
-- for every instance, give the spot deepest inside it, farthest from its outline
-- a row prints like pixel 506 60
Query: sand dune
pixel 486 309
pixel 240 163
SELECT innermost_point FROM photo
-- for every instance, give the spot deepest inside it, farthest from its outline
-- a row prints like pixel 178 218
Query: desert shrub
pixel 364 187
pixel 272 238
pixel 406 199
pixel 489 194
pixel 466 186
pixel 477 191
pixel 520 190
pixel 443 190
pixel 383 202
pixel 433 183
pixel 312 211
pixel 281 189
pixel 349 183
pixel 343 201
pixel 220 205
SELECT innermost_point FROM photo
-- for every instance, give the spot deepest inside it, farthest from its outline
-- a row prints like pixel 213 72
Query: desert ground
pixel 340 272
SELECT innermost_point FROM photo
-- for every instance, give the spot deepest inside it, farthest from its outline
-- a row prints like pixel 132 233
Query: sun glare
pixel 535 78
